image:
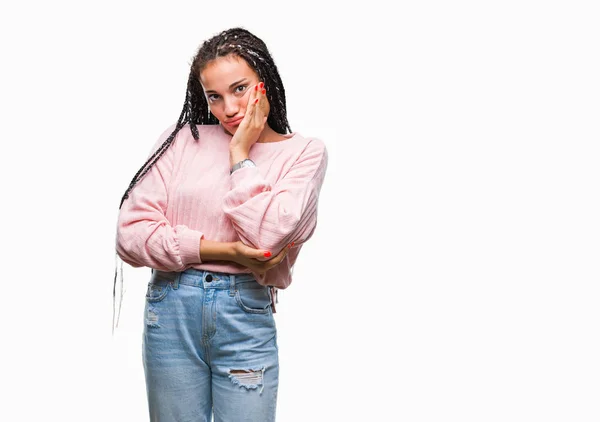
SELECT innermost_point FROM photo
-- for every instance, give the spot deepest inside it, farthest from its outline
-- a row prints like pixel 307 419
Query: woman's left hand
pixel 253 123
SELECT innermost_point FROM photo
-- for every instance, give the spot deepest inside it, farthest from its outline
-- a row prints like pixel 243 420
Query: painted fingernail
pixel 264 91
pixel 267 254
pixel 261 85
pixel 256 88
pixel 256 101
pixel 292 243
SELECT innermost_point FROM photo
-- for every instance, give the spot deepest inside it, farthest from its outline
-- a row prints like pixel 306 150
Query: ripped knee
pixel 248 378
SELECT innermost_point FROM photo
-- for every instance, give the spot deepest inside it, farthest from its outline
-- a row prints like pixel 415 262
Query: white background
pixel 454 272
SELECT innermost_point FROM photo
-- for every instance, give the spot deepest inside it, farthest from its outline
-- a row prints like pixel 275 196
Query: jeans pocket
pixel 157 291
pixel 254 299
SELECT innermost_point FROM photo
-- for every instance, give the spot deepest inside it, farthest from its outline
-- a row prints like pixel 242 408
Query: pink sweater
pixel 189 195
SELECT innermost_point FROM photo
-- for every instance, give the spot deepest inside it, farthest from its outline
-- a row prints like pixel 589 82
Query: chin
pixel 227 129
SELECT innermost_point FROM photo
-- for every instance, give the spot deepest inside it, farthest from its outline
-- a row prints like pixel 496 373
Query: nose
pixel 231 107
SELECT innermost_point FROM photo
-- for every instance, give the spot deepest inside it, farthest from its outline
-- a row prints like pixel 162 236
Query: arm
pixel 211 250
pixel 270 216
pixel 144 235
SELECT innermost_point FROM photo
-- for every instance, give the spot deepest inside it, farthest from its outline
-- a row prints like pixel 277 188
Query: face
pixel 227 82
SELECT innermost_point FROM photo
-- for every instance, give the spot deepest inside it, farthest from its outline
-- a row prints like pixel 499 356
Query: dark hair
pixel 235 41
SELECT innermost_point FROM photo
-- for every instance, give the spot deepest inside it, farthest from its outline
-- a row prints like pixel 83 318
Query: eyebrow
pixel 230 86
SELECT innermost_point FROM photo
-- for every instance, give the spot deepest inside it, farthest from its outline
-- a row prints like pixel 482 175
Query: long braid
pixel 237 42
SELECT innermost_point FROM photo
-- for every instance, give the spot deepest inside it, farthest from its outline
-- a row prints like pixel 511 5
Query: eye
pixel 214 97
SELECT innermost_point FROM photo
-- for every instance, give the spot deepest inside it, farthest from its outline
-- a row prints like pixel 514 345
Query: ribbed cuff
pixel 244 174
pixel 189 247
pixel 246 183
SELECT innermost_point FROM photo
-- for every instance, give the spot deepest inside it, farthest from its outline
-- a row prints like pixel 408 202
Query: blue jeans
pixel 209 344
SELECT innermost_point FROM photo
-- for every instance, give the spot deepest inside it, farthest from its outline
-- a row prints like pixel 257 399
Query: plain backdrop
pixel 453 275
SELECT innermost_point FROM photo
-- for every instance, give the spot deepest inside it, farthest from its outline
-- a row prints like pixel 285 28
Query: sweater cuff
pixel 189 247
pixel 244 175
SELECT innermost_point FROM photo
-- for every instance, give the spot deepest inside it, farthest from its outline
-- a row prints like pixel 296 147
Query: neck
pixel 267 135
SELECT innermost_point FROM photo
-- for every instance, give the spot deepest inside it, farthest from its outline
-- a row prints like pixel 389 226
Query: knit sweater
pixel 189 195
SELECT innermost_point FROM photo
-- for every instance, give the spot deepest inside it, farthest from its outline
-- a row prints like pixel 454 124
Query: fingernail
pixel 261 85
pixel 256 101
pixel 292 243
pixel 267 254
pixel 264 91
pixel 256 88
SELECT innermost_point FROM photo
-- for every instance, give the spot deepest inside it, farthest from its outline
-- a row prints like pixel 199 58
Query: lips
pixel 234 122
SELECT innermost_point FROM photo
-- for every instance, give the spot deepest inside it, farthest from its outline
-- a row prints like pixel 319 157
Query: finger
pixel 283 251
pixel 281 255
pixel 264 264
pixel 264 101
pixel 257 93
pixel 250 107
pixel 253 253
pixel 261 255
pixel 260 104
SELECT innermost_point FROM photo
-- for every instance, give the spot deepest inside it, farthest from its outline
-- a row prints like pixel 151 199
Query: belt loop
pixel 176 280
pixel 231 284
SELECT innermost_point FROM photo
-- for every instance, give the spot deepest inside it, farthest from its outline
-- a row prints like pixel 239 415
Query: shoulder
pixel 312 155
pixel 317 144
pixel 314 147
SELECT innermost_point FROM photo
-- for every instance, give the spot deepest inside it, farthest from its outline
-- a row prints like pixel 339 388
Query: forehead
pixel 219 73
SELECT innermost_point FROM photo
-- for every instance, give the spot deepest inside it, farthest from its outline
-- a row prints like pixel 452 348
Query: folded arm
pixel 270 216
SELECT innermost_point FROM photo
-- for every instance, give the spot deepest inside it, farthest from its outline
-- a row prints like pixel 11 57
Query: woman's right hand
pixel 253 123
pixel 254 258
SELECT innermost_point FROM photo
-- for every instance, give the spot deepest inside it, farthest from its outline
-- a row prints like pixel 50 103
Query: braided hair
pixel 235 41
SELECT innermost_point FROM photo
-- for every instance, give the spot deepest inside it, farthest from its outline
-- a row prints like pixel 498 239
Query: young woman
pixel 220 212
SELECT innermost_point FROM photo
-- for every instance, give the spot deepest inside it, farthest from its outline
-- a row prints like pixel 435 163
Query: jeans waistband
pixel 202 278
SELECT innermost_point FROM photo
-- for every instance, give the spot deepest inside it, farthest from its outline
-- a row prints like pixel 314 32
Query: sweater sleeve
pixel 270 216
pixel 144 235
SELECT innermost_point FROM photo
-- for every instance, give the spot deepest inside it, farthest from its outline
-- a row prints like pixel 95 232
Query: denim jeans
pixel 209 345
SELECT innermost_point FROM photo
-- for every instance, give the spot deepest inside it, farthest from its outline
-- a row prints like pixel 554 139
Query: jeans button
pixel 209 278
